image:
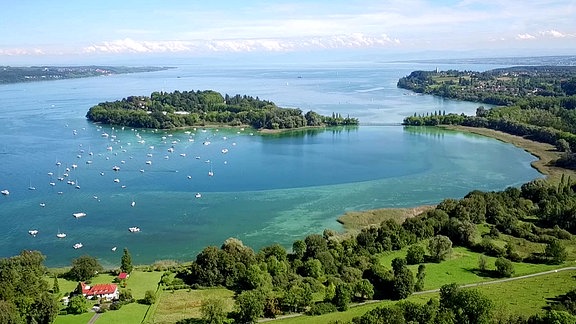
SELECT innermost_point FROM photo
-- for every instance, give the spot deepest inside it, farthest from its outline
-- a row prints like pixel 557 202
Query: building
pixel 123 276
pixel 105 291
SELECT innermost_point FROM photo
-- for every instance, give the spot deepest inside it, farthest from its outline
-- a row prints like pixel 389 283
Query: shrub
pixel 415 254
pixel 322 308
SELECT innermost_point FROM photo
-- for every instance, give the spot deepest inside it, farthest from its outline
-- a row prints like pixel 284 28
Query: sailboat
pixel 60 234
pixel 31 187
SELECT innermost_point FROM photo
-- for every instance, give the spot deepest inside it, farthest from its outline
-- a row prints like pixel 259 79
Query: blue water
pixel 265 189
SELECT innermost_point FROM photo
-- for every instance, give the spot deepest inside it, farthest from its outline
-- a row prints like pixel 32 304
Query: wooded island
pixel 199 108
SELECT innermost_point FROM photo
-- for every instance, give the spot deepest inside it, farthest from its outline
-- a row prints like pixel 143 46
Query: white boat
pixel 42 205
pixel 210 173
pixel 148 162
pixel 116 168
pixel 183 154
pixel 224 151
pixel 78 215
pixel 133 204
pixel 134 229
pixel 198 195
pixel 5 192
pixel 52 183
pixel 116 180
pixel 61 235
pixel 77 246
pixel 33 232
pixel 114 249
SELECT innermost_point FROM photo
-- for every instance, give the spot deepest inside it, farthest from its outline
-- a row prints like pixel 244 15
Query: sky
pixel 43 30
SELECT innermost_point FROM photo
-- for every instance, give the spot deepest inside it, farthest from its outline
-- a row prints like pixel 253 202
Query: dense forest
pixel 10 74
pixel 198 108
pixel 538 103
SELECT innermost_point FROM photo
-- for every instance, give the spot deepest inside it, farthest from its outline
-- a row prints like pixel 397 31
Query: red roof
pixel 98 289
pixel 122 275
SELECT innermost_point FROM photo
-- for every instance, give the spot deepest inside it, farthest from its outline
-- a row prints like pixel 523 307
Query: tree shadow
pixel 483 273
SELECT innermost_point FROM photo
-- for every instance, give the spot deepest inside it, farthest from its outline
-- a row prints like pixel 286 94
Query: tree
pixel 415 254
pixel 439 247
pixel 126 262
pixel 363 289
pixel 556 251
pixel 504 267
pixel 420 276
pixel 468 306
pixel 403 284
pixel 342 296
pixel 77 305
pixel 249 306
pixel 212 311
pixel 9 313
pixel 482 263
pixel 149 297
pixel 84 268
pixel 55 286
pixel 299 248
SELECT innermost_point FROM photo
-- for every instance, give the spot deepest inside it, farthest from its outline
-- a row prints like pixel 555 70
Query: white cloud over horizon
pixel 135 27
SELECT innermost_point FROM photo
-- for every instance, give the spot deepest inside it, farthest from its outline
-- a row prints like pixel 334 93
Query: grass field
pixel 138 282
pixel 523 297
pixel 182 304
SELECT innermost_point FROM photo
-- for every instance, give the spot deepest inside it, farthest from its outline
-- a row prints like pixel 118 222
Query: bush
pixel 322 308
pixel 116 305
pixel 415 254
pixel 504 267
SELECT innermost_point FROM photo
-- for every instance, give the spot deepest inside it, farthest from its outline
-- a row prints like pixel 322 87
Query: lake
pixel 187 189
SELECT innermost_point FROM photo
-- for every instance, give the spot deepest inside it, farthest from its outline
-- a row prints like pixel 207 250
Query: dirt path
pixel 94 318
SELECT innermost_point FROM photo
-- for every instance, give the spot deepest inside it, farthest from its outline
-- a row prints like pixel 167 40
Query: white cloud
pixel 525 36
pixel 553 33
pixel 356 40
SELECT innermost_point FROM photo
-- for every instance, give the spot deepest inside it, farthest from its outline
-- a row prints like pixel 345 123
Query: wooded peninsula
pixel 163 110
pixel 10 74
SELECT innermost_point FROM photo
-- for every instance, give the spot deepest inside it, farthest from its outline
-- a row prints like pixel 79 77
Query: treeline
pixel 502 87
pixel 340 270
pixel 197 108
pixel 10 74
pixel 24 294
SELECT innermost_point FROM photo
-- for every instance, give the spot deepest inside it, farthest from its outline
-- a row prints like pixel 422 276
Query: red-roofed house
pixel 123 276
pixel 106 291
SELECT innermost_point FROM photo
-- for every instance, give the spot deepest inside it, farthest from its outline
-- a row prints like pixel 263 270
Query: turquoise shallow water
pixel 265 189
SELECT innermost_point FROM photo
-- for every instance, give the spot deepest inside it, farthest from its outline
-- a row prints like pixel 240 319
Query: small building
pixel 105 291
pixel 123 276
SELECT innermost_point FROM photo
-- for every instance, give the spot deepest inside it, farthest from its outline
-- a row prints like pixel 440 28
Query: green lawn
pixel 528 296
pixel 73 319
pixel 182 304
pixel 129 314
pixel 461 268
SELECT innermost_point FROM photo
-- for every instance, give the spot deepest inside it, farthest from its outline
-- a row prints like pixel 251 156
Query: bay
pixel 264 189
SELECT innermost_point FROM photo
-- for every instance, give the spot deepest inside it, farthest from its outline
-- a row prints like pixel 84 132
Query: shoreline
pixel 353 222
